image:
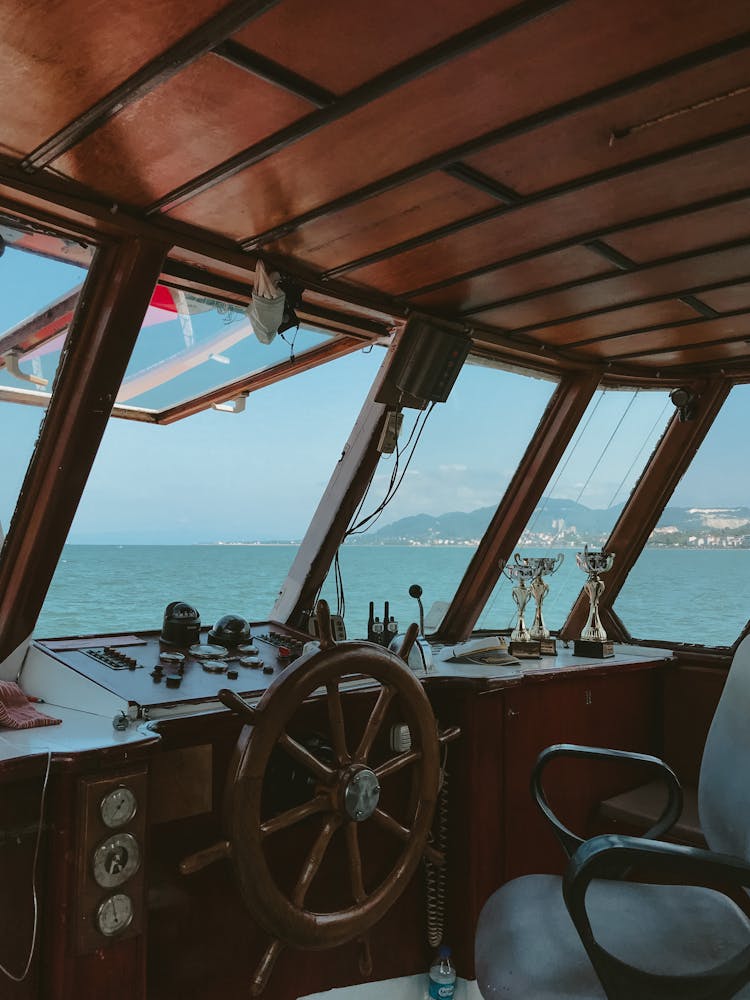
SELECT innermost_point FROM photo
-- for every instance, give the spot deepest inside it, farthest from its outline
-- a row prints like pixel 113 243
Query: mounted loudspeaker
pixel 426 364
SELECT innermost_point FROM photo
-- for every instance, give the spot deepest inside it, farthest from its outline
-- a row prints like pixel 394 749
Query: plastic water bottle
pixel 442 976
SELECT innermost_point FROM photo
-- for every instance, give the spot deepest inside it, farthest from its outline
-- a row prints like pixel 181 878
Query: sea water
pixel 683 595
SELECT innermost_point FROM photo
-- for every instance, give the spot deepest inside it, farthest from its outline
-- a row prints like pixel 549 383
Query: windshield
pixel 692 581
pixel 586 494
pixel 454 461
pixel 209 510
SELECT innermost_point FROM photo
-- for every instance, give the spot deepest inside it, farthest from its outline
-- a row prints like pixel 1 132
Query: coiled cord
pixel 436 878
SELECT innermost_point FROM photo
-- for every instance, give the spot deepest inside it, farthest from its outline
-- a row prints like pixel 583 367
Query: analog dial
pixel 116 860
pixel 118 807
pixel 114 914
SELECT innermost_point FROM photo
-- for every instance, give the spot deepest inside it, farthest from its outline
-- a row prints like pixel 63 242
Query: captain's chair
pixel 591 935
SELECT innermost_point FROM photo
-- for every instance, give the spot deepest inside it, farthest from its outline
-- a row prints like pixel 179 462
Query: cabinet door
pixel 536 716
pixel 619 710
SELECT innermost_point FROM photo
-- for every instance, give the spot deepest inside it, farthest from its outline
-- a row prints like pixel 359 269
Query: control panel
pixel 147 671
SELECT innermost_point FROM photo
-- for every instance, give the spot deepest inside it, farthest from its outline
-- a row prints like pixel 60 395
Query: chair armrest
pixel 569 840
pixel 607 857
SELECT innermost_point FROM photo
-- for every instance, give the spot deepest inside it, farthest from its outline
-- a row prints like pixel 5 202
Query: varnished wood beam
pixel 640 515
pixel 104 329
pixel 385 83
pixel 177 57
pixel 522 126
pixel 525 490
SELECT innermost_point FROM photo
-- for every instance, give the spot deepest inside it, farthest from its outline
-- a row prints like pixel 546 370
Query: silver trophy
pixel 542 566
pixel 521 642
pixel 593 641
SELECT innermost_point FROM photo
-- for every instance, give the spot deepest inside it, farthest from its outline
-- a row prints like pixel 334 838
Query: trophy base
pixel 598 648
pixel 525 649
pixel 548 647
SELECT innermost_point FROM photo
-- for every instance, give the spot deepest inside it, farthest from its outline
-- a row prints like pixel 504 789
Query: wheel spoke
pixel 304 757
pixel 374 723
pixel 265 967
pixel 387 822
pixel 355 862
pixel 314 859
pixel 295 815
pixel 398 763
pixel 336 719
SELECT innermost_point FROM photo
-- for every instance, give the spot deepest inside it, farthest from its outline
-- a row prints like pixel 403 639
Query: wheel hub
pixel 361 794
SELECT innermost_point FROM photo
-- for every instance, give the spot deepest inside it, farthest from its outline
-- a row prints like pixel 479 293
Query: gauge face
pixel 114 914
pixel 116 860
pixel 118 807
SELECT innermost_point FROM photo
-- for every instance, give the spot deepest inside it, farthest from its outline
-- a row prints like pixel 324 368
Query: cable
pixel 436 878
pixel 24 974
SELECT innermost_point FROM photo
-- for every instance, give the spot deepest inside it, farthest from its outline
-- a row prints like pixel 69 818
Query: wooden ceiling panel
pixel 342 43
pixel 728 299
pixel 671 338
pixel 616 321
pixel 516 279
pixel 711 354
pixel 498 83
pixel 581 144
pixel 666 279
pixel 380 222
pixel 198 118
pixel 58 59
pixel 688 232
pixel 526 228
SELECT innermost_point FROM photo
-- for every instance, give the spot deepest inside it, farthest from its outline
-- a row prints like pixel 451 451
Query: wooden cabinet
pixel 497 831
pixel 619 710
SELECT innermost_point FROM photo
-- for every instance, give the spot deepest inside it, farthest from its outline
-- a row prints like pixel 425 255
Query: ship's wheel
pixel 345 793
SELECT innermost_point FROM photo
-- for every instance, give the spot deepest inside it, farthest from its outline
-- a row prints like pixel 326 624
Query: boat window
pixel 453 464
pixel 208 510
pixel 39 295
pixel 586 493
pixel 190 344
pixel 692 581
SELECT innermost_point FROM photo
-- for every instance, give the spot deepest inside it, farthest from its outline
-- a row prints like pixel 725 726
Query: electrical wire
pixel 3 969
pixel 359 524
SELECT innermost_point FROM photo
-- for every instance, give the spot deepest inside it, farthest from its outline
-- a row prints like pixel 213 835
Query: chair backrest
pixel 724 783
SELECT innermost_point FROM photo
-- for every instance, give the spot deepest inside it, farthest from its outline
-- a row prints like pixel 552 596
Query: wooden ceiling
pixel 569 179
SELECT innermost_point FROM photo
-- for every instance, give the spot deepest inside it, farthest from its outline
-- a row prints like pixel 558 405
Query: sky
pixel 259 474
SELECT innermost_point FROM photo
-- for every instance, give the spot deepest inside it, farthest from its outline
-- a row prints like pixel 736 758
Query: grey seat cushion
pixel 527 947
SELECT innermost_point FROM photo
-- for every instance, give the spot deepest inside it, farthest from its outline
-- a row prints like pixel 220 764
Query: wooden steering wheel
pixel 345 793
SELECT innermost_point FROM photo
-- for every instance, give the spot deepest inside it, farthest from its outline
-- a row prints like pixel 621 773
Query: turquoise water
pixel 684 595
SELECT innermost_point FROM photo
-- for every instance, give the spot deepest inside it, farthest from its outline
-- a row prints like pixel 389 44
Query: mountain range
pixel 565 522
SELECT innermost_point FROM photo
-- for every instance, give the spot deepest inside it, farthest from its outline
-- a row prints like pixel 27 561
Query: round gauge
pixel 208 652
pixel 118 807
pixel 116 860
pixel 114 914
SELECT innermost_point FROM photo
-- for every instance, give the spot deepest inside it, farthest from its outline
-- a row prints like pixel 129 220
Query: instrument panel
pixel 144 669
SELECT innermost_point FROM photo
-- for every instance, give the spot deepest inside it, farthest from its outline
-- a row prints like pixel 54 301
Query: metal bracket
pixel 12 362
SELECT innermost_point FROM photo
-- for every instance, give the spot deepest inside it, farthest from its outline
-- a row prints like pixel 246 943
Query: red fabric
pixel 17 712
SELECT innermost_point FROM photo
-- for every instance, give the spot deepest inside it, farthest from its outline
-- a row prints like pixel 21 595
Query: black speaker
pixel 426 364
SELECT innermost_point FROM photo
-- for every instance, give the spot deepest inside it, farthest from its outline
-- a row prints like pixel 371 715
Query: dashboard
pixel 142 669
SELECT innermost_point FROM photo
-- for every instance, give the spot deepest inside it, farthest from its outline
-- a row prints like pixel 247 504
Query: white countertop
pixel 79 732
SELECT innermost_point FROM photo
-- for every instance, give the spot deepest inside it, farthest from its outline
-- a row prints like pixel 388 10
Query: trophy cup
pixel 521 643
pixel 593 641
pixel 542 566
